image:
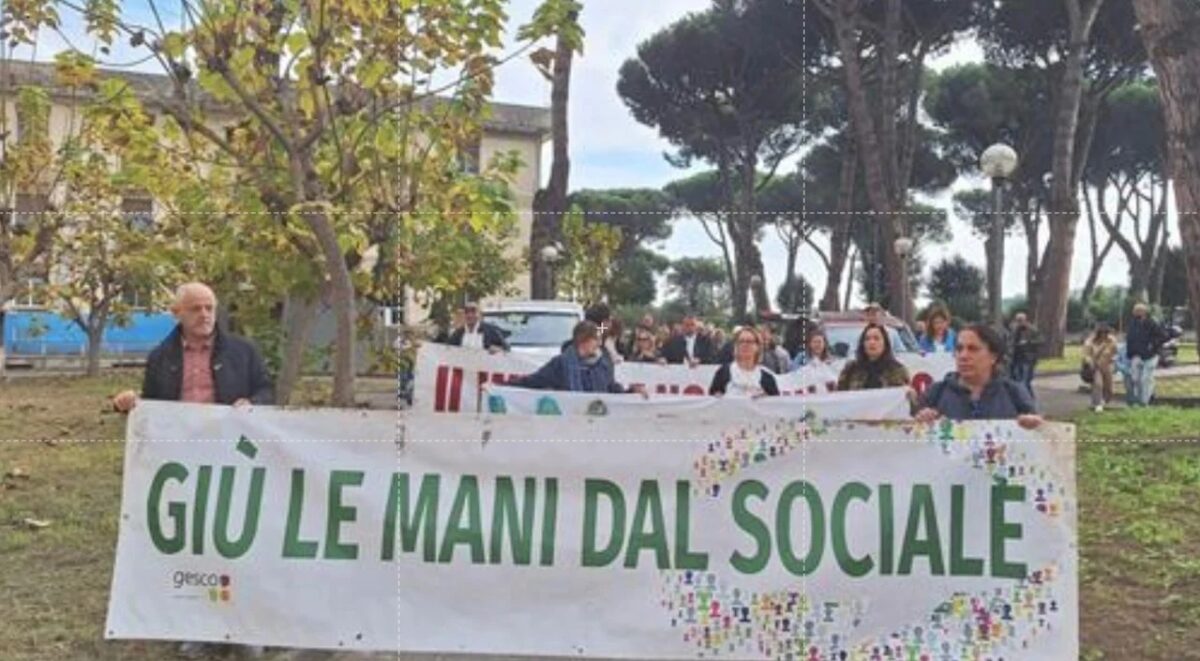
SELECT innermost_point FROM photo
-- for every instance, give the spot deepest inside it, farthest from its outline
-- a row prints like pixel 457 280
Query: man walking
pixel 1025 343
pixel 1143 339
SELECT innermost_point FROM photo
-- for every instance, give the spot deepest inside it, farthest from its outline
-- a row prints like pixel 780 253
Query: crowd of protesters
pixel 994 368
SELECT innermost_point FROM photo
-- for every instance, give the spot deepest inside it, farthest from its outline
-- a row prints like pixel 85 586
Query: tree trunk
pixel 95 338
pixel 299 315
pixel 850 281
pixel 551 203
pixel 1170 30
pixel 1054 277
pixel 1159 270
pixel 879 192
pixel 789 276
pixel 839 243
pixel 343 297
pixel 994 249
pixel 1031 222
pixel 1098 254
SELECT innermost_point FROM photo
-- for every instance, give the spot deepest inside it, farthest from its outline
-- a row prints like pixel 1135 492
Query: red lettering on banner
pixel 456 384
pixel 693 389
pixel 439 394
pixel 921 382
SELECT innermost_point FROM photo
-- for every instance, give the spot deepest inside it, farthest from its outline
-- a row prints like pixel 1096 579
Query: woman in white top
pixel 744 377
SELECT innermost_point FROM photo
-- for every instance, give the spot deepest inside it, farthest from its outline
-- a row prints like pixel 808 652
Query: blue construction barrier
pixel 37 332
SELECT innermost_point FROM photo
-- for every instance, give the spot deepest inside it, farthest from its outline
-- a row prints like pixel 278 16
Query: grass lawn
pixel 1139 527
pixel 1073 355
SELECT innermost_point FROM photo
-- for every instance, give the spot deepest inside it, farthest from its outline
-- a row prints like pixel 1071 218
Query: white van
pixel 537 328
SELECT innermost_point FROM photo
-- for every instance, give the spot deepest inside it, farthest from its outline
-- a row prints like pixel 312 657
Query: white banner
pixel 595 537
pixel 885 404
pixel 450 379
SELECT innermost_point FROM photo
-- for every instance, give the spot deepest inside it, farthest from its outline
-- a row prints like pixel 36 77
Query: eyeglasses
pixel 747 341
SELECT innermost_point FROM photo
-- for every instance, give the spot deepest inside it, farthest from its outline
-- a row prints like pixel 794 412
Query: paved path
pixel 1059 396
pixel 1071 382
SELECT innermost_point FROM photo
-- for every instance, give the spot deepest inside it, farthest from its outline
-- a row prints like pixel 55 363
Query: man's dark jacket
pixel 492 336
pixel 1143 338
pixel 237 368
pixel 675 350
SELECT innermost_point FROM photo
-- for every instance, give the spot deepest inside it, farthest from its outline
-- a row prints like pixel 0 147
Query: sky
pixel 609 148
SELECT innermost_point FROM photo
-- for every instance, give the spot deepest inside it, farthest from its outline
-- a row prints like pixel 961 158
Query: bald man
pixel 198 363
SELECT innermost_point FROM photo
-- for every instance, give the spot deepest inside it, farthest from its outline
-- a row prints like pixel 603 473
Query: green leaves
pixel 173 45
pixel 101 18
pixel 74 69
pixel 557 18
pixel 590 248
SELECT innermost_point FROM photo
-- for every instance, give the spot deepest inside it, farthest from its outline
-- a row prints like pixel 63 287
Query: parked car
pixel 842 329
pixel 537 328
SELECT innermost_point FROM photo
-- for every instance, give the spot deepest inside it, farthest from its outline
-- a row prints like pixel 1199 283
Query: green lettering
pixel 176 511
pixel 338 514
pixel 684 558
pixel 411 520
pixel 921 508
pixel 293 546
pixel 549 521
pixel 887 530
pixel 238 548
pixel 469 532
pixel 783 528
pixel 854 567
pixel 649 503
pixel 200 509
pixel 466 505
pixel 959 565
pixel 1002 530
pixel 752 525
pixel 504 517
pixel 592 491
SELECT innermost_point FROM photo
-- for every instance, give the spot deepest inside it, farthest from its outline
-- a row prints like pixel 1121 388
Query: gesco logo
pixel 216 587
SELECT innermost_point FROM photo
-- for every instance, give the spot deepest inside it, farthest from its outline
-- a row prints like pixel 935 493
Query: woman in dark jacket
pixel 583 367
pixel 744 377
pixel 979 390
pixel 874 365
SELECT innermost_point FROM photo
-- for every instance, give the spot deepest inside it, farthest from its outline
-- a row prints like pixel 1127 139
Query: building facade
pixel 520 129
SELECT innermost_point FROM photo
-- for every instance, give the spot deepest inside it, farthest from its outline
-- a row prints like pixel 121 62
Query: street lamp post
pixel 903 247
pixel 998 162
pixel 551 255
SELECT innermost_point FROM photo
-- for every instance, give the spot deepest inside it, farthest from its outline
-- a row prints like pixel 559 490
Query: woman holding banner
pixel 979 390
pixel 874 365
pixel 744 377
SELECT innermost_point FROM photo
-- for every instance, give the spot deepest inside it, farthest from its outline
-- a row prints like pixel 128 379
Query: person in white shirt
pixel 478 334
pixel 691 347
pixel 744 377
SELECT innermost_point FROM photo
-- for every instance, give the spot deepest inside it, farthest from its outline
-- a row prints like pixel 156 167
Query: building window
pixel 469 157
pixel 28 205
